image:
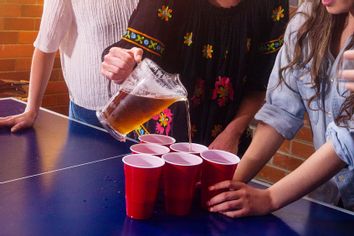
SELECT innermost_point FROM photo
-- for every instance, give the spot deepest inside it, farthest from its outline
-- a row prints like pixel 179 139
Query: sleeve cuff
pixel 283 122
pixel 343 142
pixel 45 48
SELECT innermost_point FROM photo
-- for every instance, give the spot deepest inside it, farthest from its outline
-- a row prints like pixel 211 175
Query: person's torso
pixel 325 107
pixel 95 25
pixel 322 111
pixel 219 47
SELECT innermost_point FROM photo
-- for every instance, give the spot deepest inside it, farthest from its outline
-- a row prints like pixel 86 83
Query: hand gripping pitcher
pixel 147 91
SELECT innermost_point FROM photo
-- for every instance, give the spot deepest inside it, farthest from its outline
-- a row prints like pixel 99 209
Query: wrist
pixel 32 112
pixel 272 203
pixel 235 130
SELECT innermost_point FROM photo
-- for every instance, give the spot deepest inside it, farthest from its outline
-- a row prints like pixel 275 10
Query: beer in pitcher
pixel 147 91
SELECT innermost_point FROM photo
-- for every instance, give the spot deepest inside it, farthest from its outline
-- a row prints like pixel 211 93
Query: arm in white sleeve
pixel 56 20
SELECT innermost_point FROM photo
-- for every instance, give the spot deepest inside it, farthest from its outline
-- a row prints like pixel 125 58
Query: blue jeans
pixel 84 115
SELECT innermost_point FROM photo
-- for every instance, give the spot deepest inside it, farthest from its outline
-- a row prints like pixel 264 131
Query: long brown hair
pixel 346 111
pixel 317 34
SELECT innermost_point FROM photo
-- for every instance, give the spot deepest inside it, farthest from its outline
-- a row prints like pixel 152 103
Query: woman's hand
pixel 348 75
pixel 20 121
pixel 240 199
pixel 120 62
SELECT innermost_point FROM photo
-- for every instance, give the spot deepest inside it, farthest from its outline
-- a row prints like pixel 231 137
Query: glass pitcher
pixel 147 91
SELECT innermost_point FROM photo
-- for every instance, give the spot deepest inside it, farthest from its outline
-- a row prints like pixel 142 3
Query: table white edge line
pixel 63 116
pixel 60 169
pixel 69 118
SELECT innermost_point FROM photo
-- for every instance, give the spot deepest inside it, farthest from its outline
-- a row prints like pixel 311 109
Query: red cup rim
pixel 169 140
pixel 158 162
pixel 202 147
pixel 235 158
pixel 164 150
pixel 167 155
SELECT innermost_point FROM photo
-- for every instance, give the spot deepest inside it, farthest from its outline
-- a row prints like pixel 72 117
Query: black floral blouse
pixel 220 54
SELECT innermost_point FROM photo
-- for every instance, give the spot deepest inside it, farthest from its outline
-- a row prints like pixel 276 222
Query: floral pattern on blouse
pixel 272 46
pixel 223 91
pixel 163 121
pixel 141 130
pixel 208 51
pixel 165 13
pixel 278 13
pixel 145 41
pixel 188 39
pixel 198 92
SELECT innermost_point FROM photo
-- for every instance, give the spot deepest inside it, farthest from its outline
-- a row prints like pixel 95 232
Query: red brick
pixel 306 120
pixel 27 37
pixel 270 174
pixel 53 100
pixel 37 23
pixel 31 10
pixel 23 64
pixel 8 37
pixel 302 149
pixel 2 25
pixel 25 1
pixel 56 75
pixel 60 109
pixel 286 162
pixel 14 75
pixel 57 63
pixel 10 10
pixel 304 134
pixel 49 101
pixel 7 64
pixel 285 146
pixel 15 51
pixel 56 87
pixel 63 99
pixel 19 24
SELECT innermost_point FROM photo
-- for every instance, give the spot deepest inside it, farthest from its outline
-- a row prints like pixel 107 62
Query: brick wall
pixel 19 23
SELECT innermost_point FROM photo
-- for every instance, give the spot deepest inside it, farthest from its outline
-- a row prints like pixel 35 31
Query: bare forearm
pixel 265 143
pixel 317 169
pixel 248 108
pixel 41 68
pixel 229 138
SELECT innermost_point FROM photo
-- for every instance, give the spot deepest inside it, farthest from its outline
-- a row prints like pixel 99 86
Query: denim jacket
pixel 287 103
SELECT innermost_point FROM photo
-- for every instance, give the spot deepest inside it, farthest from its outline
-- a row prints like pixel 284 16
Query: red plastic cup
pixel 142 176
pixel 157 138
pixel 180 175
pixel 217 166
pixel 192 148
pixel 149 148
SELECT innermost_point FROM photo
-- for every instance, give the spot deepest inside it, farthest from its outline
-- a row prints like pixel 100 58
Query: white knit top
pixel 81 30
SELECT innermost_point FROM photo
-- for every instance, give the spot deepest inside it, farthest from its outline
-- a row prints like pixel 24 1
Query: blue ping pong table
pixel 63 177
